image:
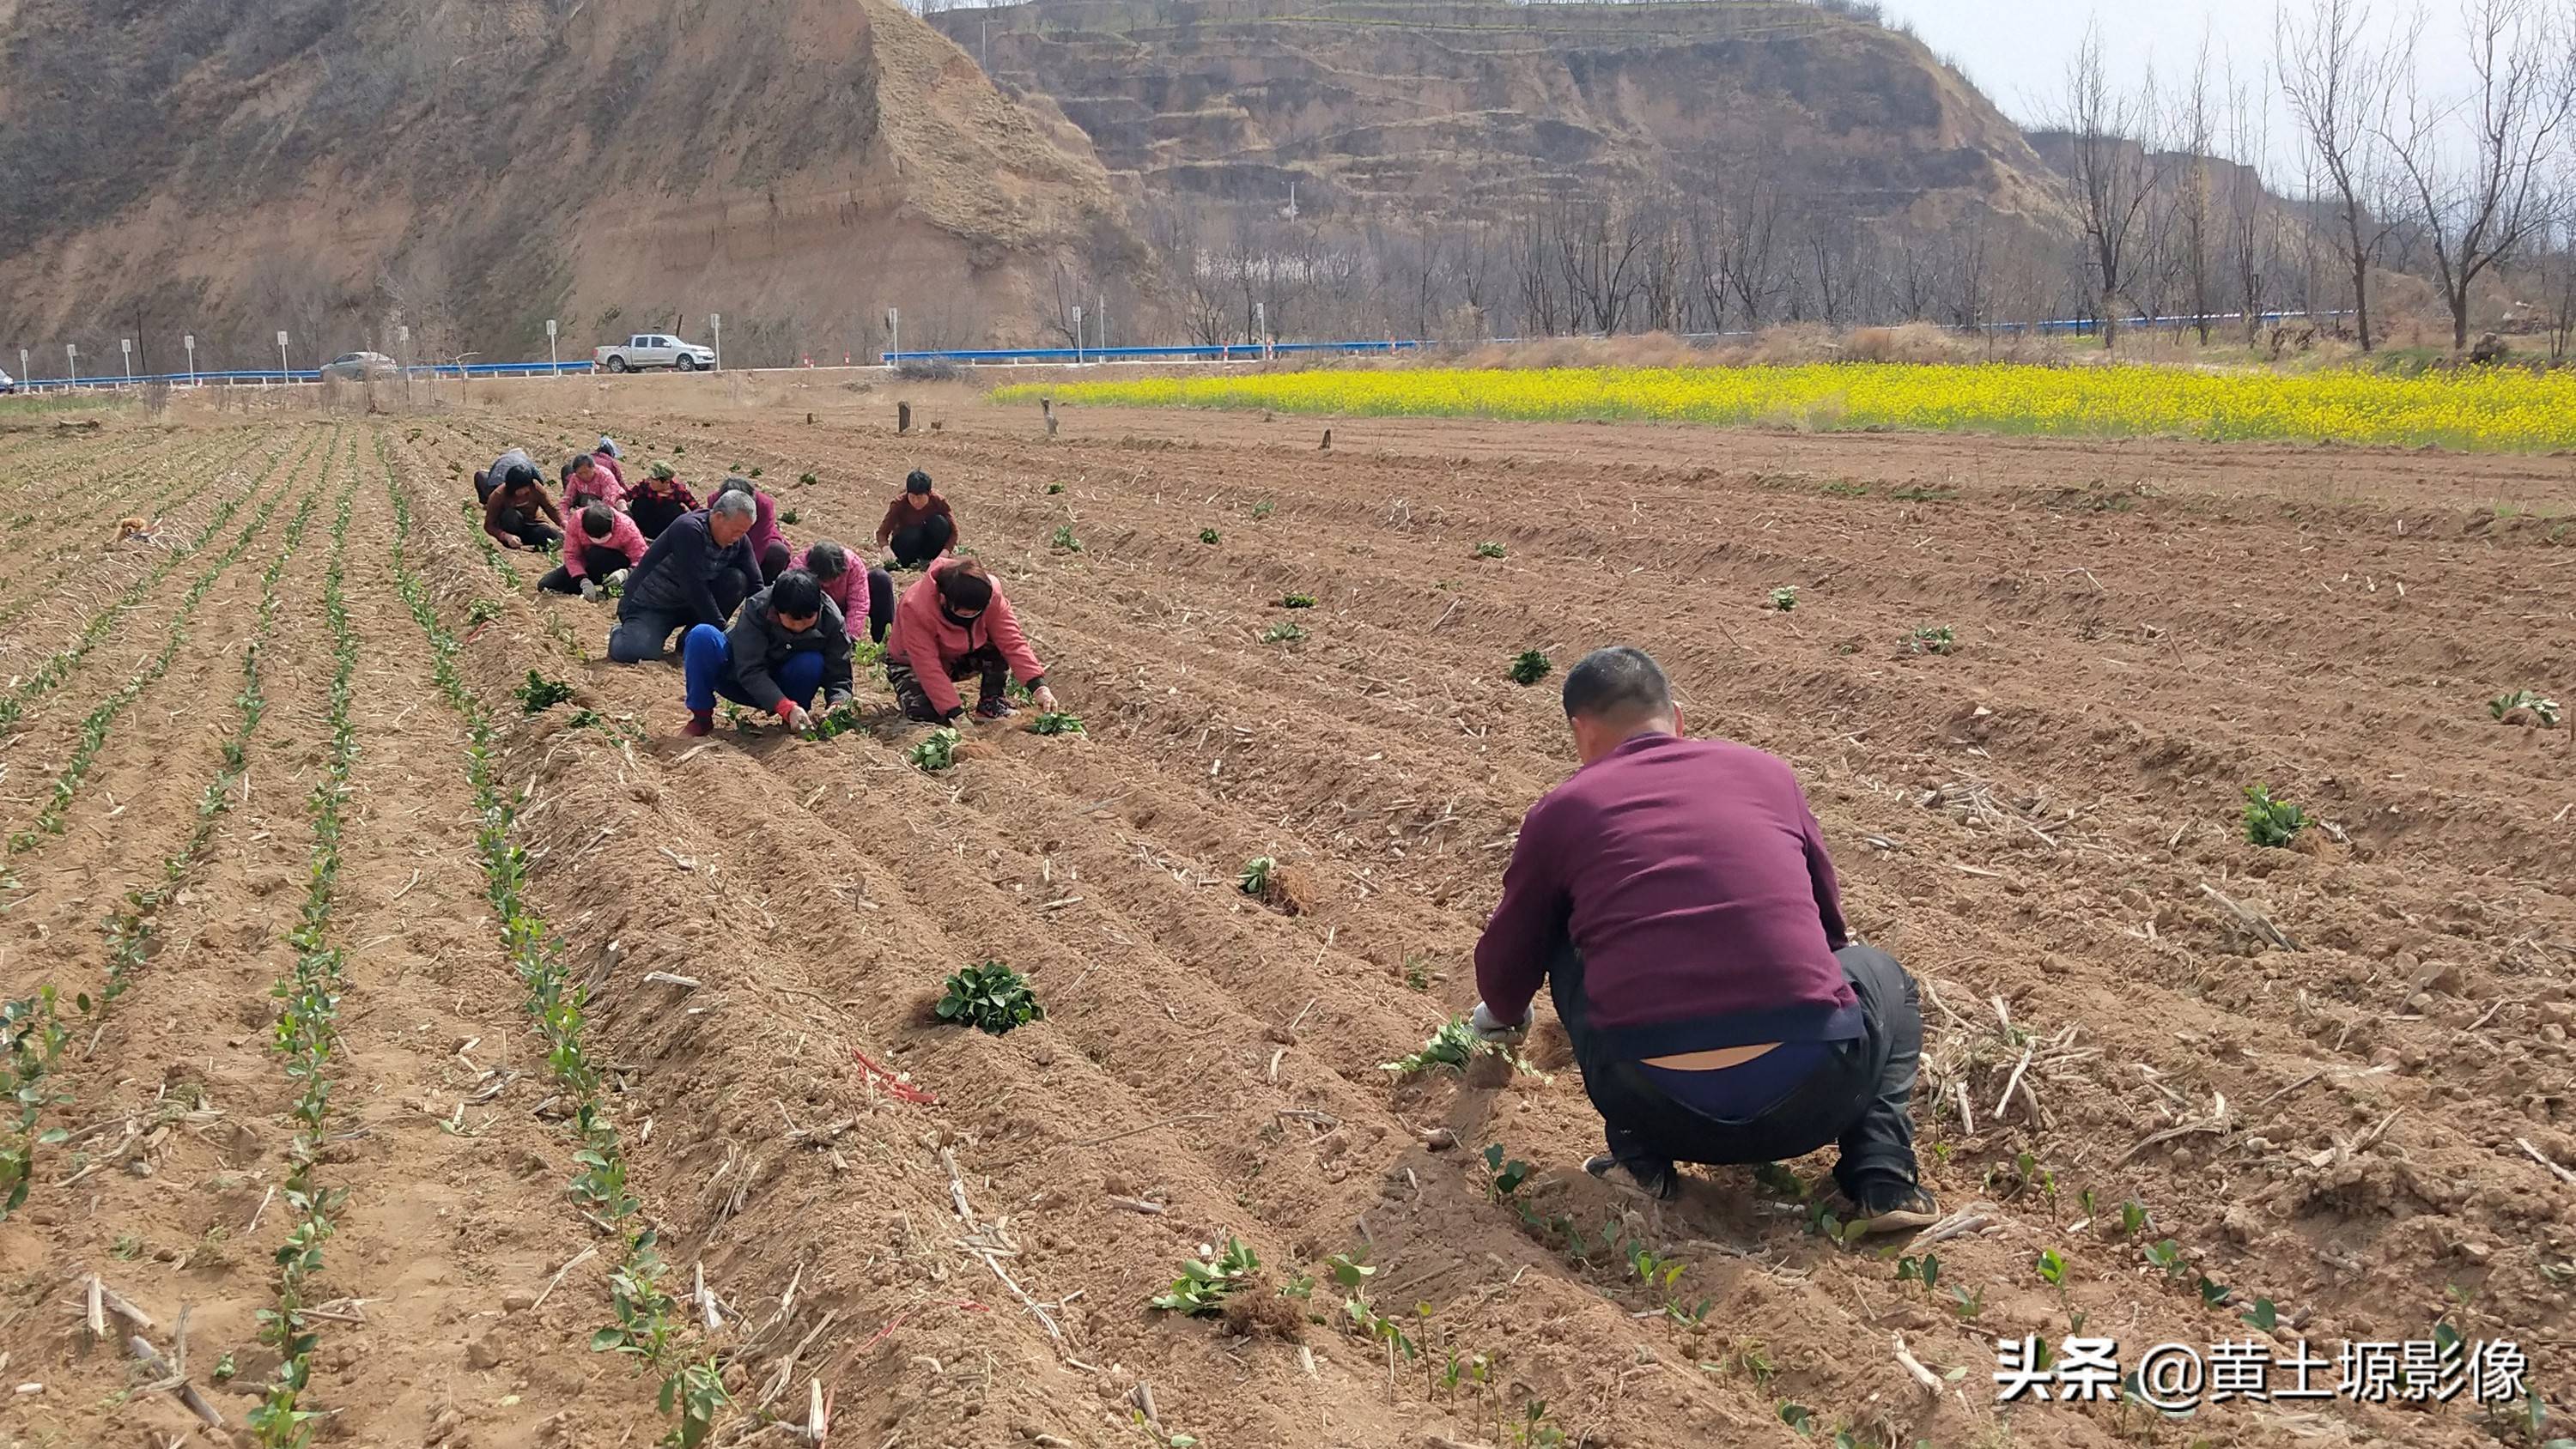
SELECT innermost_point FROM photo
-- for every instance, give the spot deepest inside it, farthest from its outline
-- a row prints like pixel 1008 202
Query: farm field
pixel 409 1010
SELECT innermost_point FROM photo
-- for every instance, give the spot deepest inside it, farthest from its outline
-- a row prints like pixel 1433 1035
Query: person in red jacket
pixel 951 624
pixel 1676 898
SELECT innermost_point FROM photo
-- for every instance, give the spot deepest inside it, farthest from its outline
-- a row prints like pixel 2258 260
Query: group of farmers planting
pixel 1674 896
pixel 760 623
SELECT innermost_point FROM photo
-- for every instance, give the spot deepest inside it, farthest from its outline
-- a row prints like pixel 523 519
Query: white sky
pixel 2017 50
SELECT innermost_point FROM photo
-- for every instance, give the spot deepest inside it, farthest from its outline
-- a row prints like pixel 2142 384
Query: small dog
pixel 134 528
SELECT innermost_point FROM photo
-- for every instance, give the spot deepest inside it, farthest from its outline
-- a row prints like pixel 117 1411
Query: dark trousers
pixel 880 603
pixel 1857 1099
pixel 529 531
pixel 601 562
pixel 919 543
pixel 773 562
pixel 985 664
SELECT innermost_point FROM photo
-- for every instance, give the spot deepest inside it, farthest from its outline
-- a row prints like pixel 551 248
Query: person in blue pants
pixel 787 644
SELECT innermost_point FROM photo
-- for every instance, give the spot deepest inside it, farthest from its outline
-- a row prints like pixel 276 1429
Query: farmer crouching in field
pixel 512 467
pixel 1676 897
pixel 602 546
pixel 659 501
pixel 954 623
pixel 693 574
pixel 515 515
pixel 919 525
pixel 844 583
pixel 585 482
pixel 769 548
pixel 787 643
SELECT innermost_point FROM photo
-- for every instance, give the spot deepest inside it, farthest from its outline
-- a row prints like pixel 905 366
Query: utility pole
pixel 894 332
pixel 1077 337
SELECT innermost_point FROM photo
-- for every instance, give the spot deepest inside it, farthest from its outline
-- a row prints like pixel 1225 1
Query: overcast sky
pixel 2017 50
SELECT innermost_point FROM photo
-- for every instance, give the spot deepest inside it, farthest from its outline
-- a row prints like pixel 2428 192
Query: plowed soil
pixel 2335 1076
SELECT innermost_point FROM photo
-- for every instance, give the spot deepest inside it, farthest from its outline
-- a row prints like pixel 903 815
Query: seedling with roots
pixel 1296 601
pixel 1932 639
pixel 1784 598
pixel 2523 702
pixel 1056 722
pixel 540 694
pixel 1489 550
pixel 1207 535
pixel 1206 1280
pixel 937 752
pixel 990 997
pixel 2271 821
pixel 1064 539
pixel 1454 1046
pixel 1254 879
pixel 1282 633
pixel 1531 667
pixel 482 611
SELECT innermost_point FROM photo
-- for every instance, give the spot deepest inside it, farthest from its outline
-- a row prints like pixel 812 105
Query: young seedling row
pixel 307 1033
pixel 645 1326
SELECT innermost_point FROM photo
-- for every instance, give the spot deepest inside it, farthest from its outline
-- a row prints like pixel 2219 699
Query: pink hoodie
pixel 623 536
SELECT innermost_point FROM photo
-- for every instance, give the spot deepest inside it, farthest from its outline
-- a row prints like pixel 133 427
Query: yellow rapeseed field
pixel 2502 409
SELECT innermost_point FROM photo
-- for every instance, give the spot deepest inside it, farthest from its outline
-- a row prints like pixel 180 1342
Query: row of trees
pixel 2166 211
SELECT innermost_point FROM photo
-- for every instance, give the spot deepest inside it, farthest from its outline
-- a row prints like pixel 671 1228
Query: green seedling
pixel 2166 1254
pixel 1263 509
pixel 1531 667
pixel 990 997
pixel 2271 821
pixel 1296 601
pixel 1489 550
pixel 1064 539
pixel 1784 598
pixel 937 752
pixel 1417 971
pixel 2263 1315
pixel 1845 488
pixel 1206 1280
pixel 1054 488
pixel 788 516
pixel 1254 878
pixel 1503 1178
pixel 840 719
pixel 1056 722
pixel 1207 535
pixel 678 449
pixel 735 718
pixel 1925 1270
pixel 755 470
pixel 2133 1218
pixel 1966 1304
pixel 806 480
pixel 2539 708
pixel 1920 494
pixel 1454 1046
pixel 734 468
pixel 540 694
pixel 1932 639
pixel 1282 633
pixel 2213 1294
pixel 482 611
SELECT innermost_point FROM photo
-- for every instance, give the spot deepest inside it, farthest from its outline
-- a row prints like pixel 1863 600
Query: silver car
pixel 360 366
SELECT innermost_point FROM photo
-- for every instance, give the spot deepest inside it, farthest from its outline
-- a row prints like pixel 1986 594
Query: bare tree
pixel 2111 159
pixel 2477 204
pixel 2197 130
pixel 2248 139
pixel 2339 88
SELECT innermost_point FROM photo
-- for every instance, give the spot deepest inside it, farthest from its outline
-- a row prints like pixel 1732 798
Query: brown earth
pixel 2030 822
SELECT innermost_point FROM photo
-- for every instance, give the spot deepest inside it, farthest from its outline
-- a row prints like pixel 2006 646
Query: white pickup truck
pixel 652 349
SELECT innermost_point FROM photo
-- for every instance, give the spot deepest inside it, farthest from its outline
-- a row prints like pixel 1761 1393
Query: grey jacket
pixel 683 575
pixel 759 644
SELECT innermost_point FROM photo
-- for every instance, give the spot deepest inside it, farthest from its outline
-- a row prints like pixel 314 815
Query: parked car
pixel 8 384
pixel 652 349
pixel 360 366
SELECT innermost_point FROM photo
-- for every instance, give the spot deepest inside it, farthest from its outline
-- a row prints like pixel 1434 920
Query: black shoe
pixel 1651 1180
pixel 1888 1207
pixel 994 707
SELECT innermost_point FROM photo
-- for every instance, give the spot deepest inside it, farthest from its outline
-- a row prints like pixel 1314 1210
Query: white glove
pixel 619 578
pixel 589 589
pixel 1494 1032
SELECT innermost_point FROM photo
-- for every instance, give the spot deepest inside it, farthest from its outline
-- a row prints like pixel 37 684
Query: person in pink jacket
pixel 604 543
pixel 843 584
pixel 586 481
pixel 607 456
pixel 951 624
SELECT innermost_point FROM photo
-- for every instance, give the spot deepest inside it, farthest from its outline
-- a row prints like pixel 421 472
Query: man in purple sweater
pixel 1676 897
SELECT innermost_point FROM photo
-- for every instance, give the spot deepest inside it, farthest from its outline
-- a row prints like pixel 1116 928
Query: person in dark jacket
pixel 787 643
pixel 1676 897
pixel 693 574
pixel 659 501
pixel 513 467
pixel 515 515
pixel 954 624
